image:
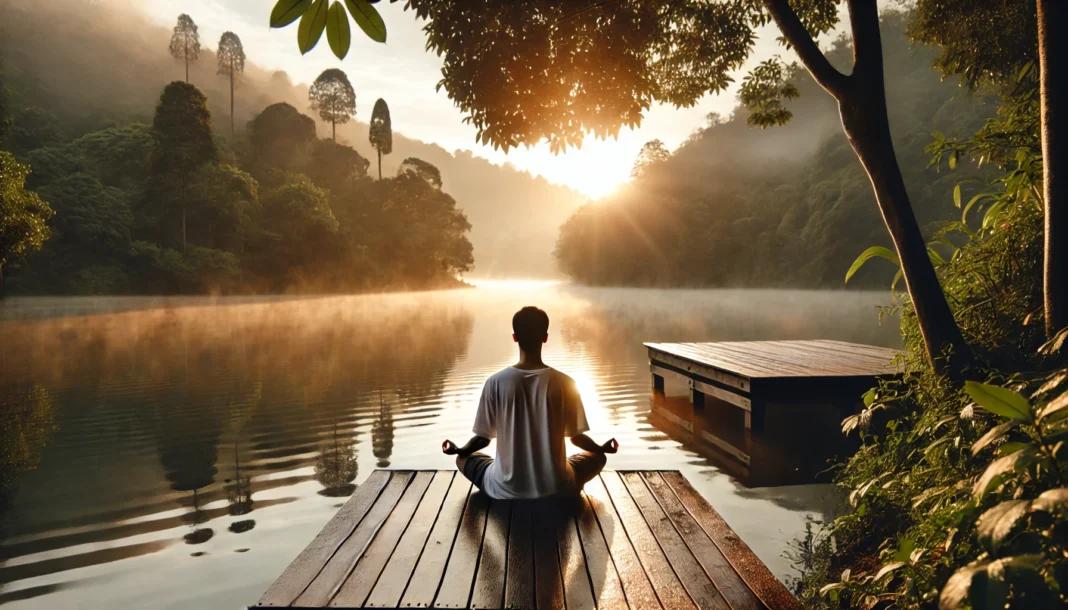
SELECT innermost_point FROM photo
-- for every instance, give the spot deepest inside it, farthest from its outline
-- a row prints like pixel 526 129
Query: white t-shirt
pixel 531 413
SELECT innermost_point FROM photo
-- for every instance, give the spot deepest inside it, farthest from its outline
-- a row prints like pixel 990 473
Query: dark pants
pixel 585 465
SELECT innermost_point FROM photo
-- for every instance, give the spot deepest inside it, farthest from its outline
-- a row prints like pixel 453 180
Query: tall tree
pixel 652 153
pixel 23 215
pixel 381 134
pixel 1053 76
pixel 331 95
pixel 231 63
pixel 185 42
pixel 182 143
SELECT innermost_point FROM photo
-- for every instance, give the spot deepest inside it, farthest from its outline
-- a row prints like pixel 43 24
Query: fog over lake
pixel 201 443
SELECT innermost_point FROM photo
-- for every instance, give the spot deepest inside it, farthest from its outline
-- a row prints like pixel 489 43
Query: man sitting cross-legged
pixel 530 408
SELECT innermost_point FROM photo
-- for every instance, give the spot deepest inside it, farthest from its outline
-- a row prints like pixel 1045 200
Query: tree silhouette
pixel 331 95
pixel 415 166
pixel 652 153
pixel 280 138
pixel 336 467
pixel 382 433
pixel 182 143
pixel 23 215
pixel 231 63
pixel 185 42
pixel 381 134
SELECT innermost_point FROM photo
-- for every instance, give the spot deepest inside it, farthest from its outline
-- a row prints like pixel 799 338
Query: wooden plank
pixel 636 587
pixel 699 585
pixel 578 593
pixel 737 593
pixel 394 578
pixel 311 560
pixel 549 589
pixel 424 582
pixel 736 381
pixel 362 576
pixel 777 359
pixel 607 591
pixel 456 586
pixel 720 393
pixel 753 571
pixel 489 583
pixel 669 589
pixel 519 586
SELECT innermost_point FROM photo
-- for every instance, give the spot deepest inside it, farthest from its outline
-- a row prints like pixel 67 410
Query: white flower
pixel 967 413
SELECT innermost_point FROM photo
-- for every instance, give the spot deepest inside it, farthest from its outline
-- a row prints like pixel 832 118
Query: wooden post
pixel 658 383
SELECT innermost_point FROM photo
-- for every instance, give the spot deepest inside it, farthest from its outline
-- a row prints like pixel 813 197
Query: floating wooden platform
pixel 428 539
pixel 747 399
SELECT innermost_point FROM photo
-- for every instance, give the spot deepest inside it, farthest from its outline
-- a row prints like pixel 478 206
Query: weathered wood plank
pixel 519 584
pixel 700 587
pixel 692 366
pixel 720 393
pixel 311 560
pixel 361 578
pixel 423 585
pixel 636 586
pixel 492 562
pixel 337 569
pixel 455 591
pixel 394 578
pixel 607 591
pixel 669 589
pixel 730 584
pixel 775 359
pixel 577 591
pixel 753 571
pixel 549 589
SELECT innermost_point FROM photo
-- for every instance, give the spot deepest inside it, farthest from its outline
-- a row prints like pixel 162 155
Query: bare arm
pixel 587 444
pixel 475 444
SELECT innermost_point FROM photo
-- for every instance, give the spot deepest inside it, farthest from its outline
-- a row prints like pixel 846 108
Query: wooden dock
pixel 428 539
pixel 748 399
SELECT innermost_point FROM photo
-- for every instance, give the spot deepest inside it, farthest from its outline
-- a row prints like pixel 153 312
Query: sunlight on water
pixel 200 444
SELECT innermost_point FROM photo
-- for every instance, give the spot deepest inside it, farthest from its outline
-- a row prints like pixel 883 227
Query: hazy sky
pixel 405 75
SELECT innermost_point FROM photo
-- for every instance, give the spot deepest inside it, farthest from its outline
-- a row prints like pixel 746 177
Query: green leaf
pixel 368 19
pixel 1052 500
pixel 956 196
pixel 1056 409
pixel 999 400
pixel 888 568
pixel 957 591
pixel 997 470
pixel 868 254
pixel 337 30
pixel 286 12
pixel 996 524
pixel 311 27
pixel 971 203
pixel 993 434
pixel 953 160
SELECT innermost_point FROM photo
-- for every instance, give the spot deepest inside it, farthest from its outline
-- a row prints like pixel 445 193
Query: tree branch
pixel 867 40
pixel 790 24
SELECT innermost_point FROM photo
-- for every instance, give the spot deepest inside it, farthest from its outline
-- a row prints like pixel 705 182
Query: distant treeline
pixel 175 207
pixel 786 206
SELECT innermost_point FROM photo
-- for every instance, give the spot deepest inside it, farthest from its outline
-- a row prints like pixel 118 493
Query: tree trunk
pixel 333 128
pixel 183 228
pixel 379 163
pixel 233 131
pixel 1053 63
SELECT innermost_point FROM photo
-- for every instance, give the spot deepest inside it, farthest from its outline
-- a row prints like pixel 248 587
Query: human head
pixel 530 328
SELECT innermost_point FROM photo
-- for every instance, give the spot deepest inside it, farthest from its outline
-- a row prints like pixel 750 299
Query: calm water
pixel 200 444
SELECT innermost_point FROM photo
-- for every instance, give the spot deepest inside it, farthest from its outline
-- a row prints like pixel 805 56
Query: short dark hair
pixel 530 326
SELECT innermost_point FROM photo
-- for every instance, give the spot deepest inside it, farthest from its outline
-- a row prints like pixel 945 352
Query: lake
pixel 190 447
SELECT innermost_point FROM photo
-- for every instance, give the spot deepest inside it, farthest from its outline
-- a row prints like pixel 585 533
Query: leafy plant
pixel 319 15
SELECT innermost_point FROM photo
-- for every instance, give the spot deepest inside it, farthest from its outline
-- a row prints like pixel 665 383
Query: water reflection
pixel 223 424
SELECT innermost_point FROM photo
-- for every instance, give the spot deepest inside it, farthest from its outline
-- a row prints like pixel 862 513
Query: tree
pixel 526 72
pixel 652 153
pixel 185 42
pixel 381 133
pixel 281 139
pixel 1053 63
pixel 23 215
pixel 336 166
pixel 414 166
pixel 331 95
pixel 182 143
pixel 231 63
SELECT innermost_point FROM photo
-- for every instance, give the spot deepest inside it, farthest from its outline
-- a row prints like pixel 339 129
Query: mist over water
pixel 201 443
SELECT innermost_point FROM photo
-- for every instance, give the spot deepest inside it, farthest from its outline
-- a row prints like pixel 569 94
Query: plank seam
pixel 586 561
pixel 448 557
pixel 363 602
pixel 478 562
pixel 608 547
pixel 652 533
pixel 370 541
pixel 630 541
pixel 422 549
pixel 345 539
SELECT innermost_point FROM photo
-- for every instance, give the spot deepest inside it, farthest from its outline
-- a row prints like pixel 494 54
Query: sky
pixel 405 75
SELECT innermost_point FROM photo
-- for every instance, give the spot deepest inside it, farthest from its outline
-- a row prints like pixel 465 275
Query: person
pixel 531 409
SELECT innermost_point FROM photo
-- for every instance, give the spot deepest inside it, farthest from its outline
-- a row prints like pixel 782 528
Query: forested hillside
pixel 84 79
pixel 787 206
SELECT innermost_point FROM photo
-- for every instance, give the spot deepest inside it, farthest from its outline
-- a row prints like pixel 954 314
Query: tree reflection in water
pixel 336 467
pixel 382 432
pixel 27 423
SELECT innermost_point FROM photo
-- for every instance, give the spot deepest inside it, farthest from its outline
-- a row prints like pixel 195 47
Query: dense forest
pixel 84 133
pixel 735 205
